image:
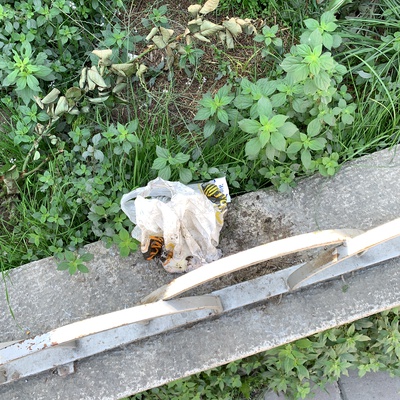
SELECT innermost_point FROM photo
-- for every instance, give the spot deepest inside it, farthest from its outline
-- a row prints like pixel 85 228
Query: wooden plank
pixel 247 258
pixel 352 247
pixel 69 333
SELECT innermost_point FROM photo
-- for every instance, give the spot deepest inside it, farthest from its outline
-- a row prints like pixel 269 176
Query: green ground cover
pixel 297 89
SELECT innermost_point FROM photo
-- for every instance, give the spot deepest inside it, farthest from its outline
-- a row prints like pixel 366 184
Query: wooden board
pixel 249 257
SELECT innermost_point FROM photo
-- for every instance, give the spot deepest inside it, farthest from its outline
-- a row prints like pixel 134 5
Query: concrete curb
pixel 362 195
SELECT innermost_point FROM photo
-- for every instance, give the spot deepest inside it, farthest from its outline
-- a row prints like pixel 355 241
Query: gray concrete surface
pixel 372 386
pixel 362 195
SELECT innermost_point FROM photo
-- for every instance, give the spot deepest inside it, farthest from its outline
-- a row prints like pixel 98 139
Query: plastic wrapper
pixel 178 224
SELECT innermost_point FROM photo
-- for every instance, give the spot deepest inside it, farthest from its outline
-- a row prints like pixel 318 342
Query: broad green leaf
pixel 314 127
pixel 86 257
pixel 326 61
pixel 98 155
pixel 243 101
pixel 249 125
pixel 304 343
pixel 291 63
pixel 69 256
pixel 44 73
pixel 278 141
pixel 83 268
pixel 322 80
pixel 337 41
pixel 300 105
pixel 329 119
pixel 32 82
pixel 209 128
pixel 207 101
pixel 21 82
pixel 226 99
pixel 327 17
pixel 202 114
pixel 254 111
pixel 302 372
pixel 278 99
pixel 315 38
pixel 72 269
pixel 347 119
pixel 330 27
pixel 300 73
pixel 278 120
pixel 327 40
pixel 311 24
pixel 266 86
pixel 317 144
pixel 270 152
pixel 224 91
pixel 294 147
pixel 99 210
pixel 165 173
pixel 306 158
pixel 303 50
pixel 159 163
pixel 62 266
pixel 246 85
pixel 264 106
pixel 123 250
pixel 264 138
pixel 315 68
pixel 253 148
pixel 288 129
pixel 223 116
pixel 234 115
pixel 185 175
pixel 182 158
pixel 162 153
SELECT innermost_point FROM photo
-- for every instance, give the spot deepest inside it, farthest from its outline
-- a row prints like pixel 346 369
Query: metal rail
pixel 61 347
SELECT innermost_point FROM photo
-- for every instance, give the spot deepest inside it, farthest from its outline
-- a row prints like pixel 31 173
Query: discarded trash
pixel 178 224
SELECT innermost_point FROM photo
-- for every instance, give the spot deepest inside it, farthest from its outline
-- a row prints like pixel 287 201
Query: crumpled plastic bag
pixel 178 224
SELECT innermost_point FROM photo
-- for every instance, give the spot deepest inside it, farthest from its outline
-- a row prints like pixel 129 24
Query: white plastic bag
pixel 177 223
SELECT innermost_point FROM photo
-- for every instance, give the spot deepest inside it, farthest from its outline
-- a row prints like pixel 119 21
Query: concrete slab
pixel 363 195
pixel 372 386
pixel 331 392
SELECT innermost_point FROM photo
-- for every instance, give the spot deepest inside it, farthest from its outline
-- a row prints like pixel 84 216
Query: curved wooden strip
pixel 247 258
pixel 352 247
pixel 101 323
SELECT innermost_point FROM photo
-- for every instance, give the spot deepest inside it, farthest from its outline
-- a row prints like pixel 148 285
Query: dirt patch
pixel 179 92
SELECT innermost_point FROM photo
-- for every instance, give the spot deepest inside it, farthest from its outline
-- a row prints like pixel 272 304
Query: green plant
pixel 293 122
pixel 191 55
pixel 165 163
pixel 216 108
pixel 73 262
pixel 24 70
pixel 269 38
